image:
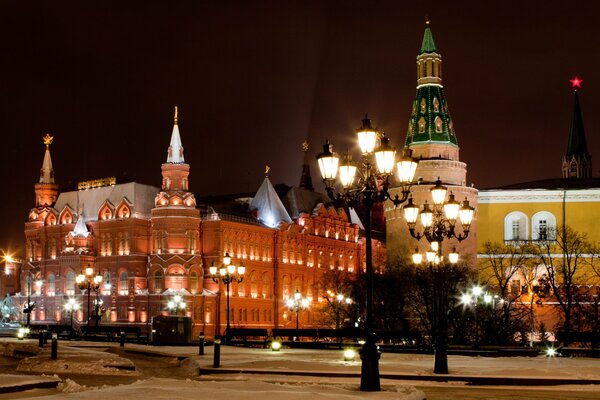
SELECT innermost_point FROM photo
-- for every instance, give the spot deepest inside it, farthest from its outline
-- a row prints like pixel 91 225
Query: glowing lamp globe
pixel 411 212
pixel 438 193
pixel 328 162
pixel 227 259
pixel 367 136
pixel 222 271
pixel 385 156
pixel 426 216
pixel 347 171
pixel 430 255
pixel 453 257
pixel 477 290
pixel 466 214
pixel 241 270
pixel 451 209
pixel 417 258
pixel 297 295
pixel 213 269
pixel 406 168
pixel 230 269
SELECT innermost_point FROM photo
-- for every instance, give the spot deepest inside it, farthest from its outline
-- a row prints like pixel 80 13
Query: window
pixel 266 286
pixel 543 226
pixel 436 105
pixel 158 281
pixel 123 284
pixel 51 285
pixel 423 105
pixel 253 287
pixel 438 125
pixel 194 282
pixel 421 125
pixel 70 289
pixel 515 226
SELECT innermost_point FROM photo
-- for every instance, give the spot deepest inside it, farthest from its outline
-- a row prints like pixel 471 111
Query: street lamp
pixel 296 304
pixel 472 298
pixel 176 304
pixel 88 281
pixel 338 302
pixel 439 317
pixel 227 273
pixel 369 187
pixel 30 305
pixel 70 307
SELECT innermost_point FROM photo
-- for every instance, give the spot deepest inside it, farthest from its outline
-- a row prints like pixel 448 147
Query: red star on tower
pixel 576 83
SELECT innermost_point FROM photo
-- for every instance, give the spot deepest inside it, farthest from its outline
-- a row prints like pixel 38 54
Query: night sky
pixel 254 79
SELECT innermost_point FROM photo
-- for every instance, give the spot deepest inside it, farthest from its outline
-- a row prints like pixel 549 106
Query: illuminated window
pixel 123 283
pixel 421 125
pixel 436 105
pixel 423 105
pixel 515 226
pixel 70 289
pixel 51 285
pixel 543 226
pixel 158 281
pixel 438 125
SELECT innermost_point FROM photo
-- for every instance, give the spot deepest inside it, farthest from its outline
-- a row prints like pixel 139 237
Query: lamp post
pixel 438 223
pixel 472 298
pixel 176 304
pixel 70 307
pixel 30 306
pixel 370 187
pixel 88 281
pixel 296 304
pixel 338 302
pixel 227 273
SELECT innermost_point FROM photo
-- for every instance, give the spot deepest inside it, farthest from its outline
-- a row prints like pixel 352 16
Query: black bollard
pixel 201 344
pixel 54 350
pixel 217 354
pixel 41 339
pixel 45 336
pixel 122 339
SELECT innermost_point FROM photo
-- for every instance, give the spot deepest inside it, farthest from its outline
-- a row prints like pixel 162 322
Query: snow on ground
pixel 155 388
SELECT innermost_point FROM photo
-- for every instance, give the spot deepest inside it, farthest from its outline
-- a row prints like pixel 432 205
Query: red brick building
pixel 150 244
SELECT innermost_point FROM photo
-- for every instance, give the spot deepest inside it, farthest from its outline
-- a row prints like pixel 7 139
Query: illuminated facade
pixel 150 244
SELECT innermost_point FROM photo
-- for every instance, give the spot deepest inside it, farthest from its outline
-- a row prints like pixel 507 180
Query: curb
pixel 471 380
pixel 29 386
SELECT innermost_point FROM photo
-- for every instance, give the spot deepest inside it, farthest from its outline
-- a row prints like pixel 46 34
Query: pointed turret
pixel 430 128
pixel 46 190
pixel 175 153
pixel 268 206
pixel 577 163
pixel 47 172
pixel 80 229
pixel 305 178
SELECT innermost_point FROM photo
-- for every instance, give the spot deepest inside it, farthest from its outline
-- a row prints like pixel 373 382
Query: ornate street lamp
pixel 70 307
pixel 227 273
pixel 439 222
pixel 367 183
pixel 176 304
pixel 296 304
pixel 88 281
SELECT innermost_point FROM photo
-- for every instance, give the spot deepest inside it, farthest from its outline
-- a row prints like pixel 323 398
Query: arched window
pixel 193 282
pixel 436 105
pixel 421 125
pixel 123 283
pixel 70 289
pixel 516 226
pixel 51 285
pixel 158 281
pixel 438 125
pixel 253 288
pixel 241 289
pixel 266 286
pixel 423 105
pixel 286 287
pixel 543 226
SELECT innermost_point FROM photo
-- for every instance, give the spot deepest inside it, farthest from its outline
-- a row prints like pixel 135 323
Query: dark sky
pixel 254 79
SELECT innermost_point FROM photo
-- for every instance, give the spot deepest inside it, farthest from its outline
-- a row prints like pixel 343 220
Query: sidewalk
pixel 530 371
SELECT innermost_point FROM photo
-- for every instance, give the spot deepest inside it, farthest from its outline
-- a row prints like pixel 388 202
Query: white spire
pixel 269 207
pixel 80 227
pixel 47 172
pixel 355 219
pixel 175 153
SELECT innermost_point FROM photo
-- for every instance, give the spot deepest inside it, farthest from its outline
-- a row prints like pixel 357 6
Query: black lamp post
pixel 227 273
pixel 297 304
pixel 439 222
pixel 370 187
pixel 87 281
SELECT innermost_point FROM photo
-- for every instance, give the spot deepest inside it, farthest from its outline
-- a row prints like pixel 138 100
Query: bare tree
pixel 336 311
pixel 506 264
pixel 565 255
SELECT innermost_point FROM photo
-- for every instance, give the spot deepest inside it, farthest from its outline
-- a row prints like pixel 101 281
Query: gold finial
pixel 267 168
pixel 426 20
pixel 305 145
pixel 176 114
pixel 48 140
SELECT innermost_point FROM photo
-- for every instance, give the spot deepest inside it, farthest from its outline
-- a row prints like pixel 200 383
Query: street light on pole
pixel 70 307
pixel 439 222
pixel 88 281
pixel 370 187
pixel 296 304
pixel 227 274
pixel 176 304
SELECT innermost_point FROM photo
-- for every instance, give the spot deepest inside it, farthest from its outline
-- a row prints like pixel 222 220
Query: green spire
pixel 577 144
pixel 428 45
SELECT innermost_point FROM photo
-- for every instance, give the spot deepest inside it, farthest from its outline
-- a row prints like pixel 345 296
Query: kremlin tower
pixel 577 163
pixel 432 140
